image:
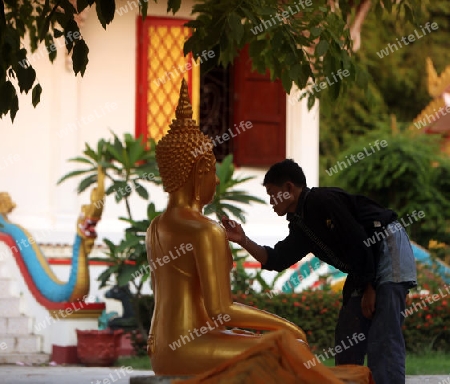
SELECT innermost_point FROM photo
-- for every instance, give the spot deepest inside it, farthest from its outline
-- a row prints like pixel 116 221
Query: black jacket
pixel 333 225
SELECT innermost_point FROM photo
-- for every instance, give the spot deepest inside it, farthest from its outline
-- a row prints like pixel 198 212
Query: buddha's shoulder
pixel 203 224
pixel 189 222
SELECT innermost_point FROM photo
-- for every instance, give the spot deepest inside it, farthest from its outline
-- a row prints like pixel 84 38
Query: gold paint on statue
pixel 87 221
pixel 192 288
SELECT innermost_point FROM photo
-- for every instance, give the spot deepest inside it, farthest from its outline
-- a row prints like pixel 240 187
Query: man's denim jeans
pixel 383 342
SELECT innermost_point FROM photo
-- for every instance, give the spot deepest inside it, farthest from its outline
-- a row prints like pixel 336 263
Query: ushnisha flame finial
pixel 182 145
pixel 184 108
pixel 183 112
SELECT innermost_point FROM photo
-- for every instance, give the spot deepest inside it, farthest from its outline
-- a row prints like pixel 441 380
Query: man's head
pixel 284 182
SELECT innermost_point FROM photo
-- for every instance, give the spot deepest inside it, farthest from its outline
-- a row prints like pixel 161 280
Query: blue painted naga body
pixel 29 255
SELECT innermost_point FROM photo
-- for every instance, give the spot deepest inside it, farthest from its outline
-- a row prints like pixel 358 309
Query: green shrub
pixel 316 312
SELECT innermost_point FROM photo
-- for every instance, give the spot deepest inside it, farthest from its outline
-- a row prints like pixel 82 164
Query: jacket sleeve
pixel 353 236
pixel 286 252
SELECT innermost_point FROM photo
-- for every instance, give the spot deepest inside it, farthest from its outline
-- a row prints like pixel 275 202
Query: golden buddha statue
pixel 193 300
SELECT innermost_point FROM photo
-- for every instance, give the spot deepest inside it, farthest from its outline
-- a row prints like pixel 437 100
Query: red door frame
pixel 142 39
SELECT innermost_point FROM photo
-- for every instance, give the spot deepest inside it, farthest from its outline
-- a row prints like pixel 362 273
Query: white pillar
pixel 302 135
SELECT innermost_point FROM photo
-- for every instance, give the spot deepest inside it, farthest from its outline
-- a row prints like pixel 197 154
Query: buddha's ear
pixel 201 165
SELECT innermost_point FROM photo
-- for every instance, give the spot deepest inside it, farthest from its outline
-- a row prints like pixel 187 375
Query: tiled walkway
pixel 78 375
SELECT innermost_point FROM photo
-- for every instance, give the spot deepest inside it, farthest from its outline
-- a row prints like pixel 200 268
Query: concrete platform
pixel 81 375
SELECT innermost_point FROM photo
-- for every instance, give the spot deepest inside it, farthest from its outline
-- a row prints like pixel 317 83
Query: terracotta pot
pixel 98 348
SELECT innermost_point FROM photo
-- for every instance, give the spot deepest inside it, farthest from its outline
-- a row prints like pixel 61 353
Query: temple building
pixel 131 85
pixel 435 117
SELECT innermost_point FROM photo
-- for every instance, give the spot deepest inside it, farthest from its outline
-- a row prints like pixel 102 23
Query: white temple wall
pixel 75 110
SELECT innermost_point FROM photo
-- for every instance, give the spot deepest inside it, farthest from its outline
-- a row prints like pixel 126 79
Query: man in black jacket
pixel 358 236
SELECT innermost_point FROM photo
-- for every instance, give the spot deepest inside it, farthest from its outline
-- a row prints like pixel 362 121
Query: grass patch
pixel 135 362
pixel 430 363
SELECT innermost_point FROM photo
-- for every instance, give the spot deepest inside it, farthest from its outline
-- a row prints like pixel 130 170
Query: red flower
pixel 296 304
pixel 428 316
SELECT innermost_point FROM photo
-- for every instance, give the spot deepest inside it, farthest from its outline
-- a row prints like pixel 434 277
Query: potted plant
pixel 98 348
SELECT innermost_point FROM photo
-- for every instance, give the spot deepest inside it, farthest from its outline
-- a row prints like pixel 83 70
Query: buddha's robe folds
pixel 280 359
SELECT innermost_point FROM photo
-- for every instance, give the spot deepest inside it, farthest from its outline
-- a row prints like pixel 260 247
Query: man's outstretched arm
pixel 284 254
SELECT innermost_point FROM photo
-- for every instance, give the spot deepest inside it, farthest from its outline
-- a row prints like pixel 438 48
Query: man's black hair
pixel 286 170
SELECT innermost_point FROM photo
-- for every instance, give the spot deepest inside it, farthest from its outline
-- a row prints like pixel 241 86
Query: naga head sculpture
pixel 6 203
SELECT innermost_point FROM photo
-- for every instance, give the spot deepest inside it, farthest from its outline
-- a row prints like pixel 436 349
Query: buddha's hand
pixel 234 230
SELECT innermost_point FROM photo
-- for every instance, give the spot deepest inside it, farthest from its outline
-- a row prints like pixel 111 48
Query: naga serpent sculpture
pixel 41 281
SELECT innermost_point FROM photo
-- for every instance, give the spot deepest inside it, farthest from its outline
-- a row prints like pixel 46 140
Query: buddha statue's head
pixel 184 155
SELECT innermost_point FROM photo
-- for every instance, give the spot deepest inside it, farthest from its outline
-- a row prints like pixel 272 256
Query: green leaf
pixel 250 16
pixel 25 77
pixel 69 31
pixel 409 16
pixel 116 151
pixel 73 174
pixel 36 94
pixel 237 29
pixel 315 31
pixel 69 9
pixel 100 16
pixel 144 9
pixel 87 182
pixel 126 274
pixel 7 92
pixel 136 150
pixel 141 191
pixel 311 101
pixel 286 81
pixel 378 10
pixel 82 160
pixel 321 48
pixel 14 107
pixel 362 79
pixel 80 57
pixel 107 7
pixel 295 71
pixel 57 33
pixel 51 47
pixel 81 5
pixel 173 6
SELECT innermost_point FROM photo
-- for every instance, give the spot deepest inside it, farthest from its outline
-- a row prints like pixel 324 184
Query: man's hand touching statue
pixel 235 233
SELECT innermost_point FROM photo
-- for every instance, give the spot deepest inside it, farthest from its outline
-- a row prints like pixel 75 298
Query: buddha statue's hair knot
pixel 182 146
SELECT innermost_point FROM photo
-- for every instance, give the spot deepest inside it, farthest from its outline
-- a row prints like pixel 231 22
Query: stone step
pixel 26 358
pixel 4 270
pixel 10 344
pixel 10 307
pixel 8 288
pixel 18 325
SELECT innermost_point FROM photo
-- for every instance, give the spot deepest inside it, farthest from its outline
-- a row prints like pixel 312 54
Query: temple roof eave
pixel 435 121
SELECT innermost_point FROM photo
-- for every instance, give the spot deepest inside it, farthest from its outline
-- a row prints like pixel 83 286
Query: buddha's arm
pixel 212 255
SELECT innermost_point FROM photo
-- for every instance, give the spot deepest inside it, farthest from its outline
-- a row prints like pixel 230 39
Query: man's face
pixel 281 198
